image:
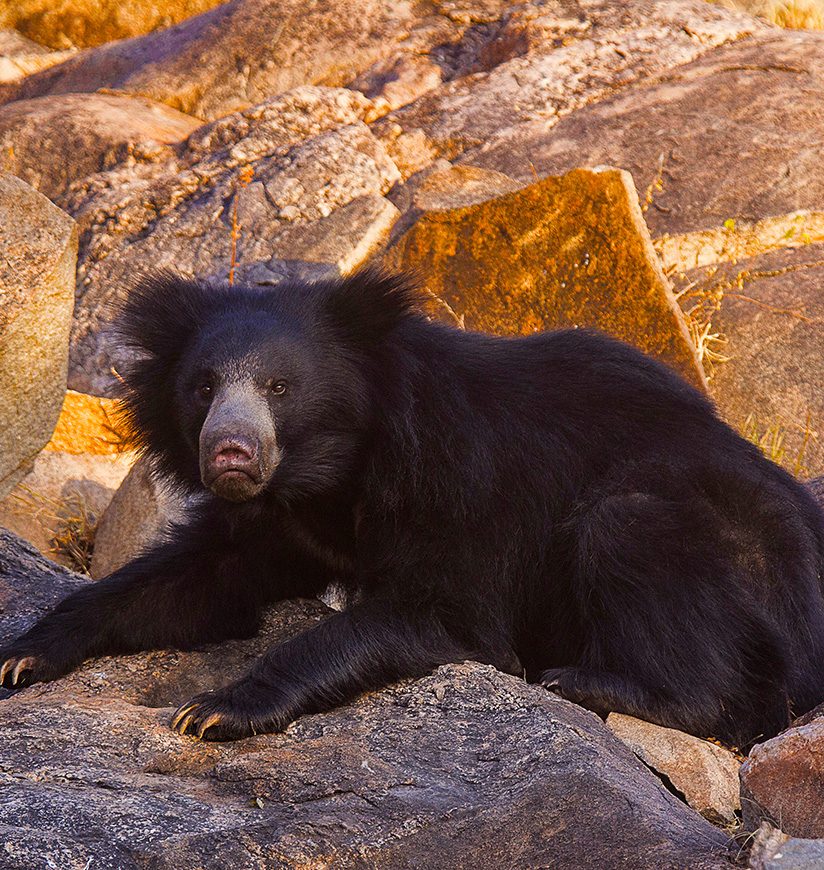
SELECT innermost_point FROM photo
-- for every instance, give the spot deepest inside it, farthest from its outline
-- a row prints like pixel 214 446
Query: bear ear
pixel 369 303
pixel 162 308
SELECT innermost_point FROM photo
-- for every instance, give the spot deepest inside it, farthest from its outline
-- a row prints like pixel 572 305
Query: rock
pixel 63 497
pixel 53 141
pixel 38 243
pixel 771 314
pixel 243 51
pixel 68 23
pixel 570 251
pixel 274 178
pixel 539 63
pixel 20 56
pixel 704 773
pixel 89 425
pixel 773 850
pixel 466 766
pixel 136 518
pixel 736 134
pixel 782 781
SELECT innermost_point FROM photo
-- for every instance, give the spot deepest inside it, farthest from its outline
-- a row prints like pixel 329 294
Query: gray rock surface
pixel 464 768
pixel 542 62
pixel 772 849
pixel 38 253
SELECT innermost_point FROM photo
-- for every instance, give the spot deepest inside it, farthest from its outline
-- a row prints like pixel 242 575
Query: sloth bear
pixel 559 506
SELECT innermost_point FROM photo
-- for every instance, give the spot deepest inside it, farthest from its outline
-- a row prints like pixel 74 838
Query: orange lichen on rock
pixel 89 424
pixel 566 251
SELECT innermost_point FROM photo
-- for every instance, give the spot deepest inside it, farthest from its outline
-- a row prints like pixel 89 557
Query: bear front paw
pixel 230 713
pixel 20 669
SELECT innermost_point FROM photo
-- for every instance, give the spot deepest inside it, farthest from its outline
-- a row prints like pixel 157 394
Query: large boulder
pixel 736 134
pixel 38 243
pixel 243 51
pixel 20 57
pixel 541 62
pixel 562 252
pixel 52 141
pixel 465 767
pixel 297 180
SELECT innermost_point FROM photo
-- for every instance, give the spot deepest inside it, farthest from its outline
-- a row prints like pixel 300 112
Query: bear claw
pixel 14 668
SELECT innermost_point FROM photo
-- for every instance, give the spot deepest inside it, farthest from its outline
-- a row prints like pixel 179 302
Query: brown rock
pixel 243 51
pixel 134 520
pixel 782 782
pixel 736 134
pixel 54 141
pixel 564 252
pixel 704 773
pixel 466 767
pixel 68 23
pixel 38 243
pixel 772 316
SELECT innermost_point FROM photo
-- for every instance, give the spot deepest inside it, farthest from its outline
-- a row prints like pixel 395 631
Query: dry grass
pixel 70 521
pixel 792 14
pixel 772 441
pixel 73 539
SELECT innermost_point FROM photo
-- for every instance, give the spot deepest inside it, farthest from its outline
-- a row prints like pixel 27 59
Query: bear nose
pixel 235 452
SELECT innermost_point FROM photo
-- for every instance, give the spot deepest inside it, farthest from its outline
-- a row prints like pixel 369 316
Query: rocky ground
pixel 651 168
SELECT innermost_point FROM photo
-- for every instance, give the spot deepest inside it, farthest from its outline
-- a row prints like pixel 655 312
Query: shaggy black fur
pixel 559 505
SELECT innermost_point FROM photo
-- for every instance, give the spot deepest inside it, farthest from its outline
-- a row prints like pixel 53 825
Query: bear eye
pixel 205 391
pixel 278 388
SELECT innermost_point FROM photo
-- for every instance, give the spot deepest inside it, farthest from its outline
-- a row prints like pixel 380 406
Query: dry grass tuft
pixel 772 442
pixel 73 539
pixel 70 521
pixel 792 14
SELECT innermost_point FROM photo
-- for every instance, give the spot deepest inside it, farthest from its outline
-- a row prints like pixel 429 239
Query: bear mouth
pixel 234 484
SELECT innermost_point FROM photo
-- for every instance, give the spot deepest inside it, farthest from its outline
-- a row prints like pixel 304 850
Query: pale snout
pixel 238 446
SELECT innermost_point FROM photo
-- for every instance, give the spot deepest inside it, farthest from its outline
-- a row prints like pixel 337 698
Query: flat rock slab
pixel 772 316
pixel 571 251
pixel 704 773
pixel 736 134
pixel 38 254
pixel 54 141
pixel 464 768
